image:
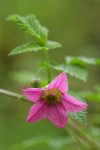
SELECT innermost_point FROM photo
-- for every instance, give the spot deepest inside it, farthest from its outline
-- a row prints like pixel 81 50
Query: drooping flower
pixel 53 102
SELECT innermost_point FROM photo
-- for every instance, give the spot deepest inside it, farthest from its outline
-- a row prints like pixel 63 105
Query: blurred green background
pixel 75 24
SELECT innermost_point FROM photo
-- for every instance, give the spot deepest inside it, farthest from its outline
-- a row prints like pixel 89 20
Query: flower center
pixel 52 96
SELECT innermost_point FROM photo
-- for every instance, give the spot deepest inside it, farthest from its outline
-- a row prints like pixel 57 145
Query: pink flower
pixel 53 102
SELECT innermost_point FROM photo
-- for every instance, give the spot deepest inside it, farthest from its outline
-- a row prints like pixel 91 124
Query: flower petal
pixel 33 94
pixel 72 104
pixel 56 116
pixel 37 112
pixel 60 83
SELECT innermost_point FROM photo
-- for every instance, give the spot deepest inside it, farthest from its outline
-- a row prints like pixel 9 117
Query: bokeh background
pixel 76 25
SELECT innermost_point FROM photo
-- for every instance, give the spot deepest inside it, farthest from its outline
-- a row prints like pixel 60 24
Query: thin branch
pixel 74 128
pixel 13 94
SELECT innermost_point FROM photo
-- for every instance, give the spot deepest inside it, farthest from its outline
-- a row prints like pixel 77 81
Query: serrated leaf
pixel 77 71
pixel 73 70
pixel 28 47
pixel 52 44
pixel 81 60
pixel 32 26
pixel 80 116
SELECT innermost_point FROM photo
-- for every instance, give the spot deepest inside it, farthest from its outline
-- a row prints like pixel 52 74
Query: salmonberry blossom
pixel 53 102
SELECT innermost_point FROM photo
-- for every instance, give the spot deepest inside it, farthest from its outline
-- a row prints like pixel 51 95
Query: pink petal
pixel 37 112
pixel 60 83
pixel 33 94
pixel 56 116
pixel 72 104
pixel 62 109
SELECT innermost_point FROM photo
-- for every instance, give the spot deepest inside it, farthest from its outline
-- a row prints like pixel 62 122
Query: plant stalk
pixel 48 66
pixel 74 127
pixel 13 95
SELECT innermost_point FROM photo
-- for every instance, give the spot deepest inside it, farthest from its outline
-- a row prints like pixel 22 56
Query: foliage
pixel 32 26
pixel 80 116
pixel 73 70
pixel 34 47
pixel 74 66
pixel 82 60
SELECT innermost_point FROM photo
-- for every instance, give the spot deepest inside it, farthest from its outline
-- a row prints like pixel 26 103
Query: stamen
pixel 51 96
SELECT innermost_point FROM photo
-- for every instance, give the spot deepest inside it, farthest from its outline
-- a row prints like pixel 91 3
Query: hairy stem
pixel 73 127
pixel 13 94
pixel 48 66
pixel 81 136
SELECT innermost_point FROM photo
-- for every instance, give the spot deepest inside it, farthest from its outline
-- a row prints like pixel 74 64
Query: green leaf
pixel 34 47
pixel 95 96
pixel 77 71
pixel 26 48
pixel 82 60
pixel 52 45
pixel 80 116
pixel 32 26
pixel 73 70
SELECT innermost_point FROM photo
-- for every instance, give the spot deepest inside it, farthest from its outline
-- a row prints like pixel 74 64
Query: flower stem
pixel 48 66
pixel 74 128
pixel 80 135
pixel 12 94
